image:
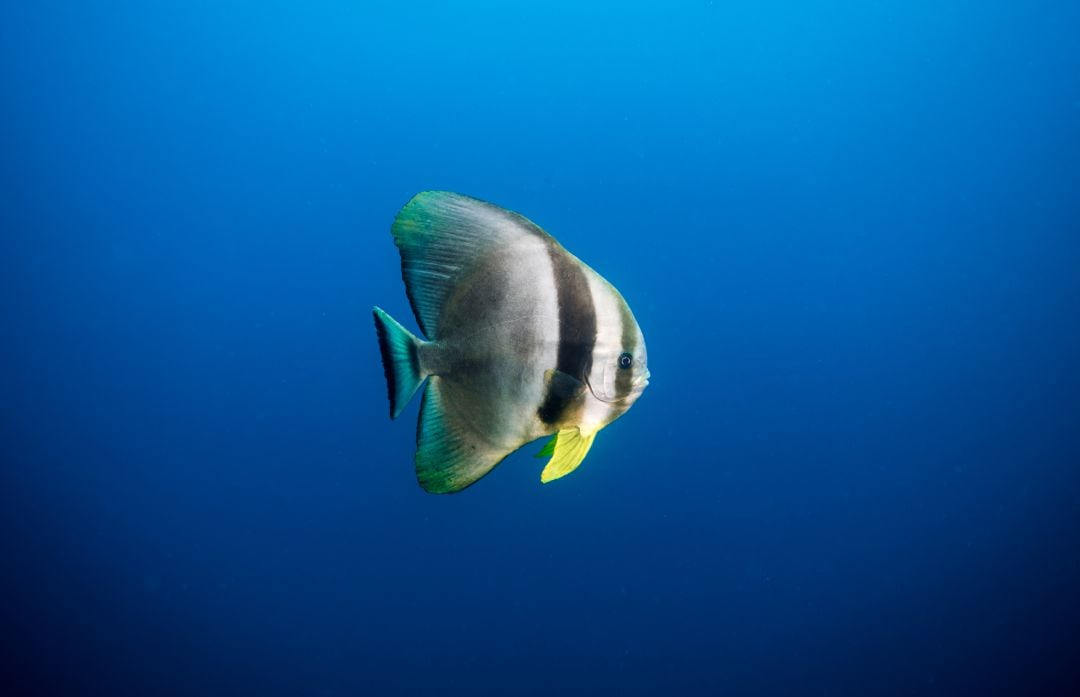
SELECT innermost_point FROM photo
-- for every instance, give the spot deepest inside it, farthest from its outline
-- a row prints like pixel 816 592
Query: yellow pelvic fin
pixel 571 447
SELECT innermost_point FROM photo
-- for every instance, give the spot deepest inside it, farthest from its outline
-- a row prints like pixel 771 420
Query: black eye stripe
pixel 624 377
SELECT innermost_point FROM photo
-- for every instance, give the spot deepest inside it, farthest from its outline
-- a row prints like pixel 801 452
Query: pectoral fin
pixel 570 448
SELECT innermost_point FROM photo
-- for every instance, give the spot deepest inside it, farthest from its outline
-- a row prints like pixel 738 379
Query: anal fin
pixel 449 454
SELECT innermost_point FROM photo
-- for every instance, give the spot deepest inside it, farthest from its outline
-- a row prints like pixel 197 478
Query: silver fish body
pixel 524 341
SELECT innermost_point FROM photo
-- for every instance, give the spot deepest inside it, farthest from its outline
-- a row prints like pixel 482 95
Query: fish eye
pixel 625 361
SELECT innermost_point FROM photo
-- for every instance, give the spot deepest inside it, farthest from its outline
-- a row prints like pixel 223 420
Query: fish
pixel 521 340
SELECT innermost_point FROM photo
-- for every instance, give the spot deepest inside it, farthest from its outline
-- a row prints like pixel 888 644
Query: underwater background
pixel 849 231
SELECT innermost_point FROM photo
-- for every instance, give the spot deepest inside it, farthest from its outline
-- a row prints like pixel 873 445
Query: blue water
pixel 849 230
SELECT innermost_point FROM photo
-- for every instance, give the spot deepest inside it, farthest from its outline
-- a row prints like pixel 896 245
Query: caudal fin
pixel 401 361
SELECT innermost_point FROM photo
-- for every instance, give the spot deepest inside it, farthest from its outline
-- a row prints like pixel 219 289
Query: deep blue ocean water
pixel 849 230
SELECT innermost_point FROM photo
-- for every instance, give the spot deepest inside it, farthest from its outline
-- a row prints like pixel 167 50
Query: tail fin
pixel 401 361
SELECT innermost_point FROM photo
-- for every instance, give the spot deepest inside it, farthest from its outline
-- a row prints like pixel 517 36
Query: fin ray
pixel 449 454
pixel 440 236
pixel 401 362
pixel 570 448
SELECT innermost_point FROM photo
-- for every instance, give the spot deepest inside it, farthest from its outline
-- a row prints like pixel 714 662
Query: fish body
pixel 523 341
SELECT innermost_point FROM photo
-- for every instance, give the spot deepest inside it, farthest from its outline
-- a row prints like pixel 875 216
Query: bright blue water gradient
pixel 848 229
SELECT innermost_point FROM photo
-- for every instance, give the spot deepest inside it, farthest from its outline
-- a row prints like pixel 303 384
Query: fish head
pixel 620 366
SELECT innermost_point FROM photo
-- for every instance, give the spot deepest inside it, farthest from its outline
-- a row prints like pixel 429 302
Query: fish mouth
pixel 637 387
pixel 641 382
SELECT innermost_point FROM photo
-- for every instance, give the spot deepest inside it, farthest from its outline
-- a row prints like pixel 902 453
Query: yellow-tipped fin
pixel 571 447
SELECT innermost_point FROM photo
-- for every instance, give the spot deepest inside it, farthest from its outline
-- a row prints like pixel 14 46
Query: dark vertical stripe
pixel 577 331
pixel 624 377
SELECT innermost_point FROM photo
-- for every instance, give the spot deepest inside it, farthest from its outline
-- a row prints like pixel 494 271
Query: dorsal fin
pixel 440 236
